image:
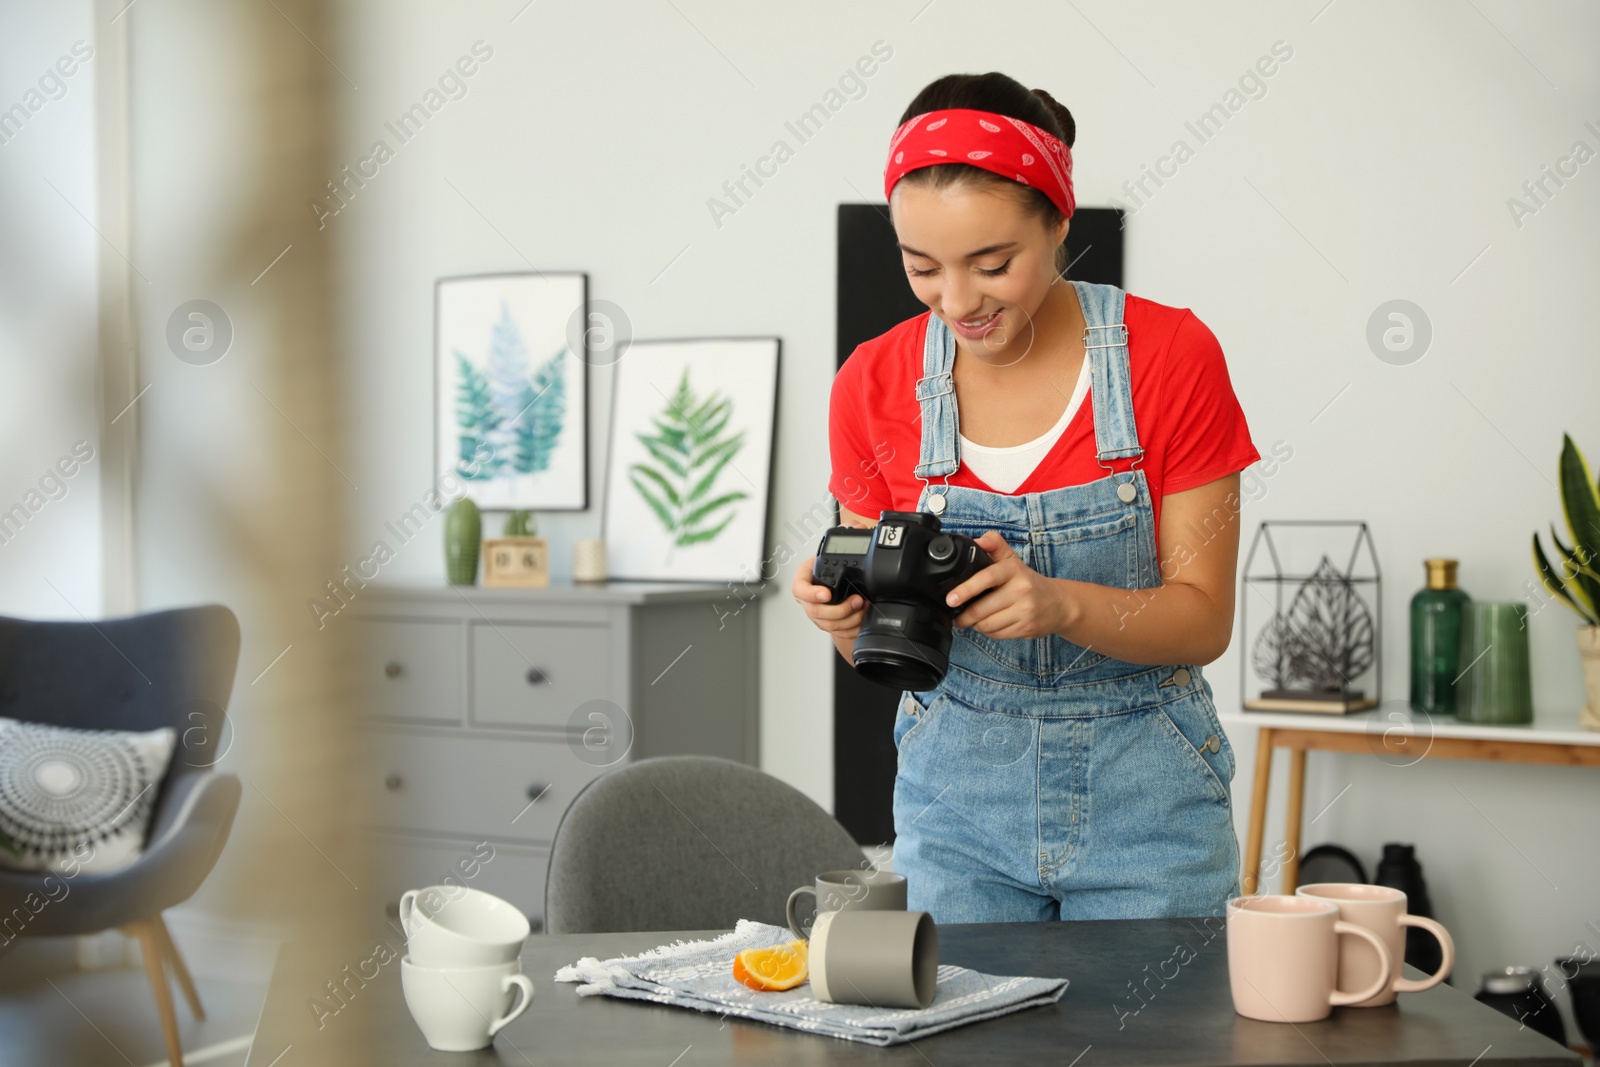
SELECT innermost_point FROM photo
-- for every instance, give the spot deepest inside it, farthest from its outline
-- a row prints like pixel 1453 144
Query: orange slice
pixel 777 967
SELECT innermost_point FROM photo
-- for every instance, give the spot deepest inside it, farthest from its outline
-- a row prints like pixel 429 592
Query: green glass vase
pixel 1496 684
pixel 1436 613
pixel 463 536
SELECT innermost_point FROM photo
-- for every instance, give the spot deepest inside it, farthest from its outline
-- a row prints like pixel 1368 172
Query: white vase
pixel 1589 651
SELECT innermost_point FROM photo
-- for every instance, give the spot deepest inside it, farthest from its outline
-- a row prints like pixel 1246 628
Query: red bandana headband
pixel 1009 147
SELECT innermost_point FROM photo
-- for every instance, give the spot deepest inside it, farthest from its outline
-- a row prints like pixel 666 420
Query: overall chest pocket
pixel 1102 549
pixel 978 651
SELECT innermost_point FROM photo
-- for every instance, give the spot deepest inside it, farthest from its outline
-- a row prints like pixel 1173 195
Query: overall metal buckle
pixel 1122 340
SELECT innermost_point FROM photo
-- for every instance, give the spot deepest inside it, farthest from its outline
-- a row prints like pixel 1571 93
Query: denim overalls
pixel 1041 779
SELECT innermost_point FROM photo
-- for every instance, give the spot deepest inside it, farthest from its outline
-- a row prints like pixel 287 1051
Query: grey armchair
pixel 166 668
pixel 687 843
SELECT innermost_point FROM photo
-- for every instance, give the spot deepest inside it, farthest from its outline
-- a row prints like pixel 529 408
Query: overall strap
pixel 936 392
pixel 1105 342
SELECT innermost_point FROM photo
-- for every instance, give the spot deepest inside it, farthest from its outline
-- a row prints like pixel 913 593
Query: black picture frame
pixel 577 342
pixel 743 581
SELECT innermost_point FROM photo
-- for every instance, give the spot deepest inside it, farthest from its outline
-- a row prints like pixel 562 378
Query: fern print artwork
pixel 688 456
pixel 509 414
pixel 512 391
pixel 689 462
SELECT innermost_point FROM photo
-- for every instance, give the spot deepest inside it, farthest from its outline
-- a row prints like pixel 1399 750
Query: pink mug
pixel 1283 958
pixel 1383 911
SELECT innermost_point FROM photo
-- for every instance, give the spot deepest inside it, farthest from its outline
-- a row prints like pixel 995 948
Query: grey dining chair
pixel 687 843
pixel 141 672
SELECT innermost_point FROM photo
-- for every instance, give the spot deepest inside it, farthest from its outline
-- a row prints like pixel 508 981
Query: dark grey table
pixel 1132 1000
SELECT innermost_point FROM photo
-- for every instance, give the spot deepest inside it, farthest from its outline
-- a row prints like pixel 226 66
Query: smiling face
pixel 980 260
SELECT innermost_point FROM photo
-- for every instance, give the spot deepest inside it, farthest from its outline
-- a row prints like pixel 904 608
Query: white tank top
pixel 1003 469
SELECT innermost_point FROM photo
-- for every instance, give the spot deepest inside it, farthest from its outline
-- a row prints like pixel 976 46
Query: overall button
pixel 1180 676
pixel 1213 743
pixel 1126 492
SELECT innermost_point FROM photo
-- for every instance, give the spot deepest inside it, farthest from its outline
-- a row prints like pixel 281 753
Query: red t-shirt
pixel 1189 422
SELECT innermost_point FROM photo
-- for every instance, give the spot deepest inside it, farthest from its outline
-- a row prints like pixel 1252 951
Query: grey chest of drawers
pixel 487 710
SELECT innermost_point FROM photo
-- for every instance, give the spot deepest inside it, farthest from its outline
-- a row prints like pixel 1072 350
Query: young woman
pixel 1070 765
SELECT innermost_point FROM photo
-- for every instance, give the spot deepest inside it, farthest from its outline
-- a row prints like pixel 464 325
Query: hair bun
pixel 1069 128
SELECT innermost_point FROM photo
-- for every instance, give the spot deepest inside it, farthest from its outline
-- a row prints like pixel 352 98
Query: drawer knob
pixel 536 676
pixel 391 669
pixel 536 790
pixel 392 782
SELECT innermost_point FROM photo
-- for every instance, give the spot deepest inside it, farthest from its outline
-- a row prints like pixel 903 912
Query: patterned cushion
pixel 78 799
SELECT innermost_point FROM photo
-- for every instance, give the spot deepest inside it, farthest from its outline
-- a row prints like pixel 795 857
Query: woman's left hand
pixel 1021 602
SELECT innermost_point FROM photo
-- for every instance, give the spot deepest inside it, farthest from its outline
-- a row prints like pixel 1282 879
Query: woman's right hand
pixel 842 620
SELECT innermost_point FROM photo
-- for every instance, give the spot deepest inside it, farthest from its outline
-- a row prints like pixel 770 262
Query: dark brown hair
pixel 1004 96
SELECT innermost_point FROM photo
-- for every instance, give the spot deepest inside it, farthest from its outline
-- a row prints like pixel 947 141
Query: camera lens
pixel 903 646
pixel 905 640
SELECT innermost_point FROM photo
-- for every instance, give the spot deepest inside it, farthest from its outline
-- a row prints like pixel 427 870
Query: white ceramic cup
pixel 1382 910
pixel 454 926
pixel 459 1009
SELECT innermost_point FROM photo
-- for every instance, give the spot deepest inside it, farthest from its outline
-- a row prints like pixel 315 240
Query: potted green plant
pixel 1575 579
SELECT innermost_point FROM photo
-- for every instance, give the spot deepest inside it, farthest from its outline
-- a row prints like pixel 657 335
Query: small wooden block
pixel 516 563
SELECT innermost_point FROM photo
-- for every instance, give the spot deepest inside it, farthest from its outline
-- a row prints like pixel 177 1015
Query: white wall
pixel 50 550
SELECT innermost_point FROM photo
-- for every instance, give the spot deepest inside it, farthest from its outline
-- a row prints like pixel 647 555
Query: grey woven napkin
pixel 699 975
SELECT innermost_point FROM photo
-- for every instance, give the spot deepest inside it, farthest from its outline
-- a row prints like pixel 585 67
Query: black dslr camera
pixel 903 568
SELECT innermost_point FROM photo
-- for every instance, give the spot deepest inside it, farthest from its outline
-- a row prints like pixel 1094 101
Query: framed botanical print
pixel 689 467
pixel 512 389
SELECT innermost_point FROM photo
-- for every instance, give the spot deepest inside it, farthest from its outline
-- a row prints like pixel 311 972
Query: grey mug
pixel 865 890
pixel 879 958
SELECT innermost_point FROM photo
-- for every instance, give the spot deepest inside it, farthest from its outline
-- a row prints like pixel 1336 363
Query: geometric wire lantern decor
pixel 1316 643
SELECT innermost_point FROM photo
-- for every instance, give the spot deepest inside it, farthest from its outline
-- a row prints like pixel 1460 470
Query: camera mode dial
pixel 942 548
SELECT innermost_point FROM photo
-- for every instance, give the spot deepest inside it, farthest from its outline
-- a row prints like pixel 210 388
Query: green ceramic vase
pixel 463 536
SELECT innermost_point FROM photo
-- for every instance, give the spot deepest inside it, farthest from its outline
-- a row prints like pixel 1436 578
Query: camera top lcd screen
pixel 850 544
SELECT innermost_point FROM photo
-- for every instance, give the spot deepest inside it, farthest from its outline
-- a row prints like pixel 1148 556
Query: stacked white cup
pixel 460 972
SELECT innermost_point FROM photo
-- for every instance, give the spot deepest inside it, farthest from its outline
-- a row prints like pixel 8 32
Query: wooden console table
pixel 1388 731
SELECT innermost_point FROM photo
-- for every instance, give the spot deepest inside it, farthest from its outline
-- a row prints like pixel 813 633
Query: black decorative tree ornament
pixel 1318 648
